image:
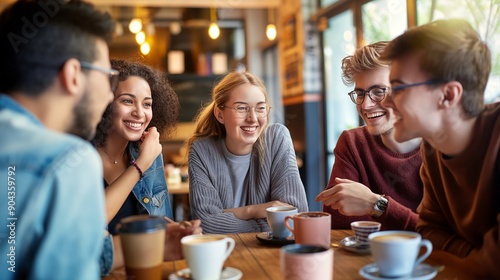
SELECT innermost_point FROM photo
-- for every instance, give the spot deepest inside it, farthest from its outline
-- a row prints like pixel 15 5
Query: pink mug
pixel 311 228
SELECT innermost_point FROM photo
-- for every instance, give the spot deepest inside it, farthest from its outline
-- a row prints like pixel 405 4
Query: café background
pixel 300 67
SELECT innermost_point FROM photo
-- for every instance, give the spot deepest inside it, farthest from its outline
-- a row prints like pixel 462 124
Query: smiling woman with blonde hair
pixel 239 164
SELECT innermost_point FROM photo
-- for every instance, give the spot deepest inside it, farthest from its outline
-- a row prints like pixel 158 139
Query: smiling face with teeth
pixel 379 120
pixel 242 133
pixel 132 108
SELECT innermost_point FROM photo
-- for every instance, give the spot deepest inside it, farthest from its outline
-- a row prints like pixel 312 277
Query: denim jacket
pixel 54 227
pixel 151 192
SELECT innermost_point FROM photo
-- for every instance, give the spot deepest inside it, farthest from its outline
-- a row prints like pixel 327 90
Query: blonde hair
pixel 364 59
pixel 207 124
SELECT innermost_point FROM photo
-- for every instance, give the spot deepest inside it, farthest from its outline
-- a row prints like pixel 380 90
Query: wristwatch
pixel 380 206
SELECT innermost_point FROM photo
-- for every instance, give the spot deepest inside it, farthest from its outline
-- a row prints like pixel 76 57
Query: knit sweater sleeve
pixel 286 185
pixel 343 167
pixel 360 157
pixel 210 192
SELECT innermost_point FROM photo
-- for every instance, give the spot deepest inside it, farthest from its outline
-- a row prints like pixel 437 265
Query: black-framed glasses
pixel 242 111
pixel 397 89
pixel 112 73
pixel 376 94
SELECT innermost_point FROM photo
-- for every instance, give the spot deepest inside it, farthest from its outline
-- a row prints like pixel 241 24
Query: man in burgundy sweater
pixel 374 177
pixel 439 73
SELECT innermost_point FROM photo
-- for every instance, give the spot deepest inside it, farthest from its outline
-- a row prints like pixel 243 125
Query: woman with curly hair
pixel 128 141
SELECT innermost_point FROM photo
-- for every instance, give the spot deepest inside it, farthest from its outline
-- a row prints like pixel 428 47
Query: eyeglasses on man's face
pixel 376 94
pixel 113 74
pixel 400 88
pixel 242 111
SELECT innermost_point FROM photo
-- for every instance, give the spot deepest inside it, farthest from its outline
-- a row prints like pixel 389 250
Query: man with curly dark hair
pixel 127 140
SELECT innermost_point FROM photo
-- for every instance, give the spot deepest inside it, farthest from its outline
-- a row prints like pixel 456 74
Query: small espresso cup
pixel 304 262
pixel 362 229
pixel 395 252
pixel 205 254
pixel 143 241
pixel 311 228
pixel 276 220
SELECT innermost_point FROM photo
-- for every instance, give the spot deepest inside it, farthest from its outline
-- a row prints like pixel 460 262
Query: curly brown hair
pixel 165 100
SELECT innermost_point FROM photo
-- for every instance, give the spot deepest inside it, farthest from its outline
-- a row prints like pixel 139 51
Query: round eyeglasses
pixel 376 94
pixel 242 111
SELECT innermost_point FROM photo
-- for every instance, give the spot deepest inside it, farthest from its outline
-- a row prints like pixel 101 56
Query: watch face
pixel 381 204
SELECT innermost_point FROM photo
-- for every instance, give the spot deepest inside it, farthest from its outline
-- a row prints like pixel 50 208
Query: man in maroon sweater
pixel 374 177
pixel 439 73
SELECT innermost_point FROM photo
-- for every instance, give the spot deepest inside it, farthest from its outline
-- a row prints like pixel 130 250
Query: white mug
pixel 205 254
pixel 276 220
pixel 396 251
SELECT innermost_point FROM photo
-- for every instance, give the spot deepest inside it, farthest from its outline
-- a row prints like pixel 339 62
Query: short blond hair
pixel 364 59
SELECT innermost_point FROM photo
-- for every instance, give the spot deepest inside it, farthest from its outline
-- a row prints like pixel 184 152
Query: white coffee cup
pixel 205 254
pixel 305 262
pixel 276 220
pixel 396 251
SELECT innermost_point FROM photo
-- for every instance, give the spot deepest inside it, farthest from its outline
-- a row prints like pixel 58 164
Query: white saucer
pixel 229 273
pixel 349 244
pixel 421 272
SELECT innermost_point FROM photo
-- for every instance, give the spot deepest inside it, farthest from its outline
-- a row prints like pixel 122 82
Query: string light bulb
pixel 145 48
pixel 213 30
pixel 135 25
pixel 140 37
pixel 271 28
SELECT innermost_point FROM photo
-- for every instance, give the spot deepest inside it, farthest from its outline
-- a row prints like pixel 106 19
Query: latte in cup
pixel 206 254
pixel 396 252
pixel 202 240
pixel 393 237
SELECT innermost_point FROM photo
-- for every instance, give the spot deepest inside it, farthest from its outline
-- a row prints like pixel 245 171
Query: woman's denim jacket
pixel 151 191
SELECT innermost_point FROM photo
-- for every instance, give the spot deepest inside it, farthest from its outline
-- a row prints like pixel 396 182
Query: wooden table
pixel 178 188
pixel 258 261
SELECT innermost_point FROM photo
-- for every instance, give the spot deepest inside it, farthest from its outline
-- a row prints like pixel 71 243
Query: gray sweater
pixel 210 190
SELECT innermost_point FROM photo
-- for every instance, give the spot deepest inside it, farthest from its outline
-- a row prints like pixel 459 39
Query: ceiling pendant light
pixel 271 28
pixel 213 30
